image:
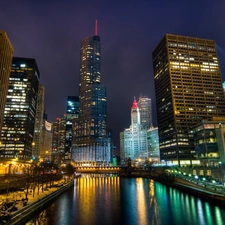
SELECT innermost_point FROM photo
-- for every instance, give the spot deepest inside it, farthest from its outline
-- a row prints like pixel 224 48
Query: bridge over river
pixel 118 170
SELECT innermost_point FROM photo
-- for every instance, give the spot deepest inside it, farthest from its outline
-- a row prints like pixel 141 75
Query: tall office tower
pixel 71 114
pixel 91 144
pixel 38 123
pixel 58 140
pixel 145 108
pixel 6 54
pixel 133 140
pixel 46 142
pixel 188 88
pixel 19 116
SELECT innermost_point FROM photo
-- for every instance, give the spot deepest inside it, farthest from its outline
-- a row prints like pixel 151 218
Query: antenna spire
pixel 96 27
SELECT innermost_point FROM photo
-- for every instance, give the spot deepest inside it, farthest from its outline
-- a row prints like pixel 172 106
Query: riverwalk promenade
pixel 25 210
pixel 35 202
pixel 190 184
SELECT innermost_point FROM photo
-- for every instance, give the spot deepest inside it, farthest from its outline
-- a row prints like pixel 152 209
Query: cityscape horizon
pixel 125 59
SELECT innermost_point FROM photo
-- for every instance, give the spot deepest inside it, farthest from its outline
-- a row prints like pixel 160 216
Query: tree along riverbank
pixel 36 205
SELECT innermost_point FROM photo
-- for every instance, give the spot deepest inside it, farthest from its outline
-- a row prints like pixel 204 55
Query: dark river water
pixel 127 201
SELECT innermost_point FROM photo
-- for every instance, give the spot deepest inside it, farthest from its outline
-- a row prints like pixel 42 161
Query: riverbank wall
pixel 199 191
pixel 28 212
pixel 183 185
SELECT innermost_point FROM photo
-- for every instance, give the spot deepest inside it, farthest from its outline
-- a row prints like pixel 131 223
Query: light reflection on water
pixel 111 200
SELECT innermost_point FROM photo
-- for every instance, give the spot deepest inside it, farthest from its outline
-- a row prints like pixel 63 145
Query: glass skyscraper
pixel 20 110
pixel 71 114
pixel 188 88
pixel 91 144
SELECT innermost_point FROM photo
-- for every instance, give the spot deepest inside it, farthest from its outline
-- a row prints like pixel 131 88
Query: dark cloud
pixel 51 32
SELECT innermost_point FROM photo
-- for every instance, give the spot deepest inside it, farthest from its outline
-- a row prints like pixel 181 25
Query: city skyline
pixel 129 33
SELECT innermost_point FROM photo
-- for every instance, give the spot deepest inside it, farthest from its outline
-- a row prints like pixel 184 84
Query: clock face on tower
pixel 48 126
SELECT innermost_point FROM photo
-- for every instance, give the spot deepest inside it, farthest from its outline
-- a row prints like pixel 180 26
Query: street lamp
pixel 33 155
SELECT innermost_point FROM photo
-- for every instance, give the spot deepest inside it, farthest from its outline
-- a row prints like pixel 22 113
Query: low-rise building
pixel 209 139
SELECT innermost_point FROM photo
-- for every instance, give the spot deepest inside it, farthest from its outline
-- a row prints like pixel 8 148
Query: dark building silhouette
pixel 6 55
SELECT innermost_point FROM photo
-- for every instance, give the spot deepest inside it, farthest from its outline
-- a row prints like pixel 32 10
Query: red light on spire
pixel 96 27
pixel 134 105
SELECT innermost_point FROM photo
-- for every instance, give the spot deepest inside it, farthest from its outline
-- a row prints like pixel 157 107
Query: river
pixel 111 200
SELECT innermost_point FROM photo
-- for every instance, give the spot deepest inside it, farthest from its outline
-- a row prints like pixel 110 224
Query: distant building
pixel 188 89
pixel 6 54
pixel 46 142
pixel 71 114
pixel 209 139
pixel 153 144
pixel 145 108
pixel 91 144
pixel 19 116
pixel 36 145
pixel 133 140
pixel 58 140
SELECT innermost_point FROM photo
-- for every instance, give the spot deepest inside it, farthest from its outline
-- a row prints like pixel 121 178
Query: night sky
pixel 51 32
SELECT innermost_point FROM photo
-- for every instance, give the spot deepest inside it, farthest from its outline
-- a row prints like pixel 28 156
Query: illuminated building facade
pixel 209 139
pixel 153 144
pixel 133 140
pixel 145 108
pixel 91 144
pixel 71 114
pixel 46 142
pixel 36 145
pixel 58 140
pixel 19 116
pixel 188 89
pixel 6 55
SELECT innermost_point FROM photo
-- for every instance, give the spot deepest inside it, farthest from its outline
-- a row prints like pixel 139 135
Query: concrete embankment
pixel 197 190
pixel 28 212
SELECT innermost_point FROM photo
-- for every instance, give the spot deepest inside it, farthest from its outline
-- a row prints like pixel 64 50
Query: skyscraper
pixel 145 108
pixel 6 54
pixel 59 140
pixel 19 116
pixel 153 144
pixel 188 88
pixel 91 144
pixel 38 123
pixel 46 142
pixel 133 140
pixel 71 114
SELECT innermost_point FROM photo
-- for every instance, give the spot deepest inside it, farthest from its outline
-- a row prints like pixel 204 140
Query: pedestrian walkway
pixel 19 197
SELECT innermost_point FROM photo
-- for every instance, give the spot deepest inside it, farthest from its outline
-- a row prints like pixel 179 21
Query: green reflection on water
pixel 129 201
